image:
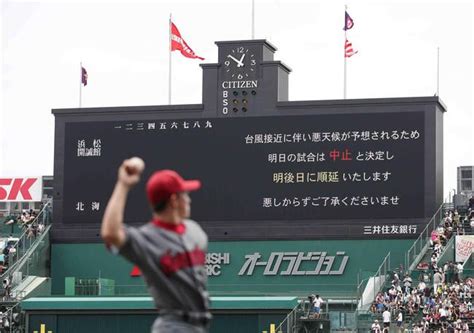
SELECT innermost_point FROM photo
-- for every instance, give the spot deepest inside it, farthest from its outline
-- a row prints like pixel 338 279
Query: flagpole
pixel 345 58
pixel 345 66
pixel 253 19
pixel 80 84
pixel 437 75
pixel 169 65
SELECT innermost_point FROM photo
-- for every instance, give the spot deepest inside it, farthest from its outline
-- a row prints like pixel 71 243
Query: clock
pixel 240 63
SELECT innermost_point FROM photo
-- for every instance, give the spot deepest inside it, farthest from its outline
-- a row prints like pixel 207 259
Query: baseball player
pixel 170 250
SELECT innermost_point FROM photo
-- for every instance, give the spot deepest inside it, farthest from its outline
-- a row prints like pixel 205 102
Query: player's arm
pixel 112 229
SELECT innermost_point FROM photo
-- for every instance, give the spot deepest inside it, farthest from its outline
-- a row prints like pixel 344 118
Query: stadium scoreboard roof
pixel 271 168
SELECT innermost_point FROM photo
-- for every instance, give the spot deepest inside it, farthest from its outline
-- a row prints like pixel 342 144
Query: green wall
pixel 138 323
pixel 12 229
pixel 93 260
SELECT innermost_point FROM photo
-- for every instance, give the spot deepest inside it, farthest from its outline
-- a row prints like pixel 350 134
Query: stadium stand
pixel 441 300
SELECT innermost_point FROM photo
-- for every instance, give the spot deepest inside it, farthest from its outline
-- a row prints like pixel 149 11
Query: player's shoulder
pixel 194 228
pixel 147 227
pixel 191 224
pixel 146 230
pixel 133 230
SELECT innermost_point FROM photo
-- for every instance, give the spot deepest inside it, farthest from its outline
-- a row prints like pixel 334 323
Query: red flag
pixel 178 43
pixel 349 51
pixel 84 76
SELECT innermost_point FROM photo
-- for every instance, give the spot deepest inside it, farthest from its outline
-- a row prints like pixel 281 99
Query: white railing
pixel 376 282
pixel 419 247
pixel 25 241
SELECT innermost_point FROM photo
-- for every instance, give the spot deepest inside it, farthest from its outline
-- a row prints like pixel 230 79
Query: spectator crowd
pixel 441 298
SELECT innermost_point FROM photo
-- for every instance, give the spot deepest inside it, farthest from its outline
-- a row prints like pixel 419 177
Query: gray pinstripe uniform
pixel 172 261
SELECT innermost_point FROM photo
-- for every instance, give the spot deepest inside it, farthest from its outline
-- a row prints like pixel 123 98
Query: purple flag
pixel 84 76
pixel 348 22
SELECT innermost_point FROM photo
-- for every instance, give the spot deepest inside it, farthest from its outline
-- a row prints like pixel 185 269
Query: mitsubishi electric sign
pixel 297 267
pixel 281 267
pixel 287 263
pixel 215 261
pixel 281 263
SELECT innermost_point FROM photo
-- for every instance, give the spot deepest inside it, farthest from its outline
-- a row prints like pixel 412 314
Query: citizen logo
pixel 239 84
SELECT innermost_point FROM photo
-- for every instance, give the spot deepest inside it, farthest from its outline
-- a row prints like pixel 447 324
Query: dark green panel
pixel 88 261
pixel 80 323
pixel 364 259
pixel 35 322
pixel 264 321
pixel 95 303
pixel 138 323
pixel 93 260
pixel 236 323
pixel 117 323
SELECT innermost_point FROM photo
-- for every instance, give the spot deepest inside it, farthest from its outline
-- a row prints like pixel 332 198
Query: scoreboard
pixel 298 170
pixel 278 168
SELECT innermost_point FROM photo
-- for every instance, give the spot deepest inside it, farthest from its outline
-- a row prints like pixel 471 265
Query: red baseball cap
pixel 162 184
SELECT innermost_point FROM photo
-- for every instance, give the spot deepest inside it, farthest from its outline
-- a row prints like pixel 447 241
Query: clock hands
pixel 239 62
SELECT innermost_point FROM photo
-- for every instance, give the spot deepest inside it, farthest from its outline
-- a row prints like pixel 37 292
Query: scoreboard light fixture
pixel 235 109
pixel 235 101
pixel 244 109
pixel 254 92
pixel 236 93
pixel 244 93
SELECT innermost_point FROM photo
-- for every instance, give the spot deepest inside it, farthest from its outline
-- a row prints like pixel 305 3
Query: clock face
pixel 240 63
